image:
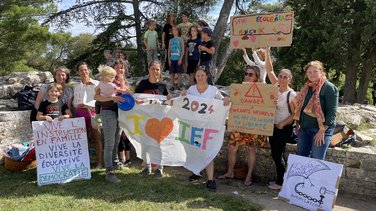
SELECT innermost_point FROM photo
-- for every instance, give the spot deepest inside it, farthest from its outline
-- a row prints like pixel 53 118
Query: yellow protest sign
pixel 262 30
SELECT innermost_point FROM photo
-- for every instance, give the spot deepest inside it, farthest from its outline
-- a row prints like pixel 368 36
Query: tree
pixel 20 32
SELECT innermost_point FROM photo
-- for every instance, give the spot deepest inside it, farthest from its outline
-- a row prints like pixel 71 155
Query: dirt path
pixel 259 193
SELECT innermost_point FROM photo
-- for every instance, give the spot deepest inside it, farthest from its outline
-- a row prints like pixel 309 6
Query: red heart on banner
pixel 159 130
pixel 252 38
pixel 236 43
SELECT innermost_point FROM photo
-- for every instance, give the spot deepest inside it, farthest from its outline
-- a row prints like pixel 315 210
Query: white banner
pixel 311 183
pixel 61 151
pixel 185 131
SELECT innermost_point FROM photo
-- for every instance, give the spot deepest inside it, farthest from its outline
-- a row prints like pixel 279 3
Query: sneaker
pixel 111 177
pixel 211 185
pixel 158 173
pixel 194 177
pixel 127 163
pixel 275 186
pixel 145 172
pixel 120 166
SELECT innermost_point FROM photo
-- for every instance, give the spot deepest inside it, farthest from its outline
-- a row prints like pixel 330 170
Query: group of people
pixel 187 46
pixel 312 109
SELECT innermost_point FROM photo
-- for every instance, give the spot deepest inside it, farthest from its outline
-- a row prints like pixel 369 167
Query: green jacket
pixel 329 103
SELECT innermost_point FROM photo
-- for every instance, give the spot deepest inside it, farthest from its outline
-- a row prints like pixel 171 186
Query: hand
pixel 139 101
pixel 280 126
pixel 163 46
pixel 117 99
pixel 319 138
pixel 183 93
pixel 48 119
pixel 297 128
pixel 61 117
pixel 226 101
pixel 179 62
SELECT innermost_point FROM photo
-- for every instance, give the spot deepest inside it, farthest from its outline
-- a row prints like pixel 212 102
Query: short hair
pixel 186 13
pixel 202 23
pixel 62 69
pixel 59 87
pixel 106 71
pixel 80 64
pixel 203 68
pixel 150 22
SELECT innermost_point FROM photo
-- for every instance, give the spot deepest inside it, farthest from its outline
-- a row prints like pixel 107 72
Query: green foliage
pixel 20 32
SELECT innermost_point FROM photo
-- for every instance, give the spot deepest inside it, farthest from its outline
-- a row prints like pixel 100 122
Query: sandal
pixel 225 177
pixel 247 183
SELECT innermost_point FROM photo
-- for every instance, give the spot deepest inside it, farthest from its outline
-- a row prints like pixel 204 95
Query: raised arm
pixel 246 58
pixel 269 67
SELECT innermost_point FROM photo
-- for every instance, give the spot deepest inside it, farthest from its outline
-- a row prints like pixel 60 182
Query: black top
pixel 205 56
pixel 54 110
pixel 167 29
pixel 149 88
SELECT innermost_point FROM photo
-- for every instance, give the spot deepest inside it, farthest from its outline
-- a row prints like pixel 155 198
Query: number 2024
pixel 194 106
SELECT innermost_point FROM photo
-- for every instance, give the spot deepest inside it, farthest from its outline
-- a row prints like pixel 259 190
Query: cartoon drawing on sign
pixel 305 171
pixel 253 92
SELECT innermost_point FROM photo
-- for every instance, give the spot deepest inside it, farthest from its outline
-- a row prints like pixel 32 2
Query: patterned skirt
pixel 238 138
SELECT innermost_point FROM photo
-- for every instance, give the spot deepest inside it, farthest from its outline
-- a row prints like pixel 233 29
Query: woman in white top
pixel 283 123
pixel 84 103
pixel 204 90
pixel 259 57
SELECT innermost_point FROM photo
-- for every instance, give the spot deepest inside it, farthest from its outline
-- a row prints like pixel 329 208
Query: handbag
pixel 293 136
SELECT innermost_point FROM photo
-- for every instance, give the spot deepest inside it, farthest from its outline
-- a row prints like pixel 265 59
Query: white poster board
pixel 311 183
pixel 61 151
pixel 185 131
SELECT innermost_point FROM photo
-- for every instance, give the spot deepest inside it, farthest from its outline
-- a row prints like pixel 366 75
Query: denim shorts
pixel 175 68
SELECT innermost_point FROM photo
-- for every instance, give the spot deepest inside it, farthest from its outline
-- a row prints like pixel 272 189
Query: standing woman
pixel 204 90
pixel 111 130
pixel 153 85
pixel 166 36
pixel 252 74
pixel 62 77
pixel 283 123
pixel 315 112
pixel 84 105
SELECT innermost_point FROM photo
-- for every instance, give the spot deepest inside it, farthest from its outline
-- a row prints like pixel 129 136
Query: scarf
pixel 313 107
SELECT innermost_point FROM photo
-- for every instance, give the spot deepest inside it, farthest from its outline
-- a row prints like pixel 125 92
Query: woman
pixel 167 35
pixel 203 89
pixel 283 123
pixel 111 130
pixel 62 77
pixel 252 74
pixel 315 112
pixel 259 61
pixel 84 104
pixel 153 85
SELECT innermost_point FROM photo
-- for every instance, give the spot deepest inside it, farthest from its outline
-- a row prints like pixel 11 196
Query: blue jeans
pixel 306 145
pixel 111 132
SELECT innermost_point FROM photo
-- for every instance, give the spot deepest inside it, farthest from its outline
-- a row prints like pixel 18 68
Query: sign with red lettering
pixel 61 151
pixel 262 30
pixel 253 108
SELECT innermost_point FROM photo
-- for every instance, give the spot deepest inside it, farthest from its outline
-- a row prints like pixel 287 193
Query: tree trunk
pixel 220 58
pixel 367 69
pixel 139 36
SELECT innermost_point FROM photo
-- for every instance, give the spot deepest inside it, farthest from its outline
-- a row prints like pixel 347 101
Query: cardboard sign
pixel 253 108
pixel 61 151
pixel 262 30
pixel 185 131
pixel 311 183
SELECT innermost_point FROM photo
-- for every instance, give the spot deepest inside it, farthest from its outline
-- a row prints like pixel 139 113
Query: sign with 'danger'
pixel 61 151
pixel 262 30
pixel 253 108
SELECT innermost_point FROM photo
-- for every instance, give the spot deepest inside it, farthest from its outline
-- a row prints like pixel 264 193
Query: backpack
pixel 293 137
pixel 26 97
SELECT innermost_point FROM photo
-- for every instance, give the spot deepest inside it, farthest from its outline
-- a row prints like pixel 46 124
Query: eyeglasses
pixel 201 67
pixel 283 77
pixel 249 74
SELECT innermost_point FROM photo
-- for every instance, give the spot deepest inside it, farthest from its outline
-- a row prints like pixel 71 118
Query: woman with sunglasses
pixel 204 90
pixel 283 123
pixel 252 74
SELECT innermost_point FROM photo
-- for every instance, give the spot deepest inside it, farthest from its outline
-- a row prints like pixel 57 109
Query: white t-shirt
pixel 84 94
pixel 211 92
pixel 282 111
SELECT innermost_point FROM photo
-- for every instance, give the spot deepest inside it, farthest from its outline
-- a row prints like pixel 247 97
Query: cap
pixel 207 31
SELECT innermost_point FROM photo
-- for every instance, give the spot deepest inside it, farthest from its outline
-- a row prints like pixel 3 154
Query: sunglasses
pixel 249 74
pixel 201 67
pixel 283 77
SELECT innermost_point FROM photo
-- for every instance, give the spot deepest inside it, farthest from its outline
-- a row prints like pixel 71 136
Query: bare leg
pixel 231 157
pixel 251 164
pixel 96 136
pixel 122 156
pixel 191 79
pixel 210 171
pixel 172 79
pixel 179 80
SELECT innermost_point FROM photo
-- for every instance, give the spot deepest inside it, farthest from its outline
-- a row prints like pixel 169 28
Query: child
pixel 166 36
pixel 185 27
pixel 259 57
pixel 206 51
pixel 151 42
pixel 53 107
pixel 108 56
pixel 175 57
pixel 192 53
pixel 106 87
